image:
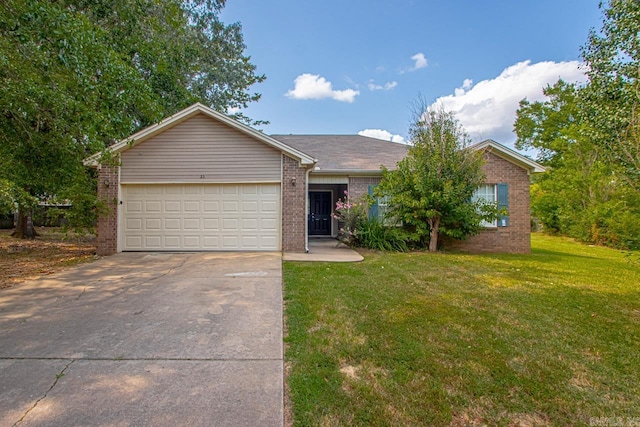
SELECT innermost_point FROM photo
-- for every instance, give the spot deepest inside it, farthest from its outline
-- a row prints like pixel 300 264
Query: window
pixel 497 194
pixel 379 209
pixel 487 193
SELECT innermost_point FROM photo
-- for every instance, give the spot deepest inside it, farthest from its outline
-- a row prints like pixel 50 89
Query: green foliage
pixel 12 196
pixel 430 191
pixel 78 75
pixel 581 195
pixel 372 234
pixel 612 96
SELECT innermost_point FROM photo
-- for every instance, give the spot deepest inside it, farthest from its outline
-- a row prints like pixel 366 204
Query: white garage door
pixel 201 217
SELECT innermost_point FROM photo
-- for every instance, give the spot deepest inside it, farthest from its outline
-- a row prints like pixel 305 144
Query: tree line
pixel 589 137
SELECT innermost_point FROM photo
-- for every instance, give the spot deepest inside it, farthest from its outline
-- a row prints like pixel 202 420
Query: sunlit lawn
pixel 551 338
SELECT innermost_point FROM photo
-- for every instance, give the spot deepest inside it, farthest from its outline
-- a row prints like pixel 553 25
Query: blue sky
pixel 350 66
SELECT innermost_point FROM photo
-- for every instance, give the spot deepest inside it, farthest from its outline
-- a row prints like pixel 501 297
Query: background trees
pixel 430 192
pixel 581 194
pixel 589 136
pixel 611 99
pixel 77 75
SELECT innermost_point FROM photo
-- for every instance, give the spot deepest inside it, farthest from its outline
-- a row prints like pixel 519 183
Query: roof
pixel 509 155
pixel 347 153
pixel 186 114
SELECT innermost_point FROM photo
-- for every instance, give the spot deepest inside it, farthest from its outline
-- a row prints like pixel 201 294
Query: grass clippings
pixel 551 338
pixel 52 251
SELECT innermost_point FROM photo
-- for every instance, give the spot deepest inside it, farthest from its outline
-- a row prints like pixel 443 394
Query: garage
pixel 201 181
pixel 201 217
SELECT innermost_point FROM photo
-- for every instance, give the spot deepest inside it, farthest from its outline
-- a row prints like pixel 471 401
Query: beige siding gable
pixel 201 150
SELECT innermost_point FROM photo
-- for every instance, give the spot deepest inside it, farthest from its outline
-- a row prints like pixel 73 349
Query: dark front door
pixel 320 213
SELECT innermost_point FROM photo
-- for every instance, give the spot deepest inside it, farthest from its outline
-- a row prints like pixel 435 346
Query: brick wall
pixel 294 202
pixel 516 237
pixel 359 185
pixel 107 226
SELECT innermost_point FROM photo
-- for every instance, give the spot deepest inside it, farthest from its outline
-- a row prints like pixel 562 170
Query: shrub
pixel 372 234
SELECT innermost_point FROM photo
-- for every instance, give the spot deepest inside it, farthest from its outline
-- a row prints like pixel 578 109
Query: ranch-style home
pixel 201 181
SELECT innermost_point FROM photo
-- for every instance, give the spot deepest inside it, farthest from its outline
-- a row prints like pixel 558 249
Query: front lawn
pixel 551 338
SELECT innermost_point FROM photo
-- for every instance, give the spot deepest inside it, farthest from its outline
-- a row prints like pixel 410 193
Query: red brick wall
pixel 516 237
pixel 107 226
pixel 359 185
pixel 294 206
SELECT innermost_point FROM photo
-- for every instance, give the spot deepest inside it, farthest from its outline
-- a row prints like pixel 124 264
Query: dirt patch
pixel 52 251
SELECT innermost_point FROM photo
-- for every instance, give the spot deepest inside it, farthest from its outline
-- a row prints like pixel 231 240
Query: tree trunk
pixel 24 227
pixel 433 234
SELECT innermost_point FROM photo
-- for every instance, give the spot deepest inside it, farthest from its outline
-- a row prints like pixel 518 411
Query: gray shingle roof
pixel 346 152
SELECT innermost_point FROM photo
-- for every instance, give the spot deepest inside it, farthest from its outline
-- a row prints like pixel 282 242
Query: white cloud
pixel 312 86
pixel 420 61
pixel 488 108
pixel 233 110
pixel 382 134
pixel 387 86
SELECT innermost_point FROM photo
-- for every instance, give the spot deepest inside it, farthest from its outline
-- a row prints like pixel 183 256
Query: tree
pixel 612 96
pixel 581 195
pixel 431 190
pixel 79 74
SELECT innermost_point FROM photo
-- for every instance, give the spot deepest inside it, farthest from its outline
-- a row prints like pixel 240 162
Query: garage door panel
pixel 211 224
pixel 172 224
pixel 191 224
pixel 191 242
pixel 201 217
pixel 134 242
pixel 153 224
pixel 153 242
pixel 209 206
pixel 230 224
pixel 172 206
pixel 153 206
pixel 133 224
pixel 250 207
pixel 134 207
pixel 230 206
pixel 249 224
pixel 191 206
pixel 271 207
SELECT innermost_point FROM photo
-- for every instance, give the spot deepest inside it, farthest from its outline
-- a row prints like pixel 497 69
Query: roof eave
pixel 509 155
pixel 349 172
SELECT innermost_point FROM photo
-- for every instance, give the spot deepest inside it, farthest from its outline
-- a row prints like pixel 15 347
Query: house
pixel 201 181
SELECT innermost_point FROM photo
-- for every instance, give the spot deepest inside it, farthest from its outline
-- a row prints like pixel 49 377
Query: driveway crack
pixel 58 376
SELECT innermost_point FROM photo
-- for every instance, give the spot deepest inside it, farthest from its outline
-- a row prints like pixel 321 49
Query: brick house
pixel 201 181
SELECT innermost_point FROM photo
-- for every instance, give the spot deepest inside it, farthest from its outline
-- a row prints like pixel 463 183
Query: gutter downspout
pixel 306 211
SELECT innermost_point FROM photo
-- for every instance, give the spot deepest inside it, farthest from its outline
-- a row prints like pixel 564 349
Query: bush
pixel 372 234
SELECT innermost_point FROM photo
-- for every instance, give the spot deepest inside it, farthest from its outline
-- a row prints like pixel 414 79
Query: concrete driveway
pixel 146 339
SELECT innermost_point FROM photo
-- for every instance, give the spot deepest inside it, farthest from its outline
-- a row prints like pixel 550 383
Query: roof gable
pixel 509 155
pixel 190 112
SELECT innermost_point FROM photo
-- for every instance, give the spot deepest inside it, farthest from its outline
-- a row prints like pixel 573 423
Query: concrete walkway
pixel 146 339
pixel 325 250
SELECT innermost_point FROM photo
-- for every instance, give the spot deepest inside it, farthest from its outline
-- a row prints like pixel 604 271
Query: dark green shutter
pixel 373 209
pixel 503 204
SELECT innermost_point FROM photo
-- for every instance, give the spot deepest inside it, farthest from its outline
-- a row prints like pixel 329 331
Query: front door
pixel 320 213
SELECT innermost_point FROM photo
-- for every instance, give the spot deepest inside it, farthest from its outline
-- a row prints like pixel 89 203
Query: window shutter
pixel 503 204
pixel 373 209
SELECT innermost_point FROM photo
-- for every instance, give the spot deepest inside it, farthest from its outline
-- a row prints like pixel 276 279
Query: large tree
pixel 581 195
pixel 431 189
pixel 612 95
pixel 76 75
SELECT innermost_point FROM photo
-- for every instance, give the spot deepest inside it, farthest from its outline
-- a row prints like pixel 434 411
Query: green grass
pixel 551 338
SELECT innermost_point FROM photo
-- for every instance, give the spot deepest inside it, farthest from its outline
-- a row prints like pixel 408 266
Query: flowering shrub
pixel 349 213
